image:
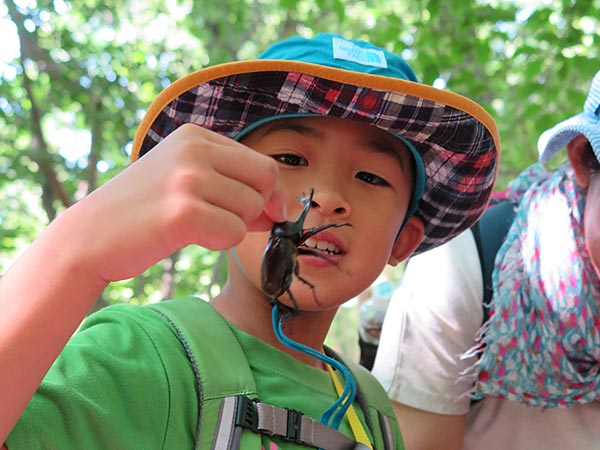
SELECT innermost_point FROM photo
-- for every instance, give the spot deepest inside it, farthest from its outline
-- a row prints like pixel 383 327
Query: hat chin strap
pixel 349 393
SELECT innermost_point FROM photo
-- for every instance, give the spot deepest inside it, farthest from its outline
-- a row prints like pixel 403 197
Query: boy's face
pixel 360 175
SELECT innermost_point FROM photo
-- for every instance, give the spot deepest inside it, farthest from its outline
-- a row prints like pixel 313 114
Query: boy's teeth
pixel 321 245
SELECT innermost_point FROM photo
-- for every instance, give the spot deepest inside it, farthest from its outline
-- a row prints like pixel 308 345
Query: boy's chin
pixel 308 302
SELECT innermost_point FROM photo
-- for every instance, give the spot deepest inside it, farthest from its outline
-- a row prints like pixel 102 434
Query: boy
pixel 404 165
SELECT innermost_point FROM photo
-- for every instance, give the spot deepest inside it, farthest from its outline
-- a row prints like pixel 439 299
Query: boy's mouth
pixel 322 246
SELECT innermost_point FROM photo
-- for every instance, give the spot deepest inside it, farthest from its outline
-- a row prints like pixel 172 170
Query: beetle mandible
pixel 279 261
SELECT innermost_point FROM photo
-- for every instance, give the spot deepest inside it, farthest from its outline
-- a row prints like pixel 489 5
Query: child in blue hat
pixel 222 154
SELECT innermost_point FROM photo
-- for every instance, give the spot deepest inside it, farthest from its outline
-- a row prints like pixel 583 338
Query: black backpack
pixel 489 234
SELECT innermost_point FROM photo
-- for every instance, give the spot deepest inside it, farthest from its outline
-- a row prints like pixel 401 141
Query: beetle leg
pixel 308 283
pixel 294 302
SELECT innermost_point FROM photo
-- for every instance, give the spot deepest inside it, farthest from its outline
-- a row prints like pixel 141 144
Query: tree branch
pixel 41 153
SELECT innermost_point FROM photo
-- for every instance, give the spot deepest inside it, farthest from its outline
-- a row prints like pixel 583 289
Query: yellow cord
pixel 360 435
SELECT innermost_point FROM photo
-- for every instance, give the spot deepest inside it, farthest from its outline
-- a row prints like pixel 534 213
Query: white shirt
pixel 431 321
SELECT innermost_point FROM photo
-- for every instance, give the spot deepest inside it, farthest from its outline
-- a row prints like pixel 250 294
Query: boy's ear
pixel 408 241
pixel 575 152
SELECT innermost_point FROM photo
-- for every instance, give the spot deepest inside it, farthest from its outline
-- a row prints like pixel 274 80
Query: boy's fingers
pixel 233 196
pixel 234 159
pixel 258 171
pixel 218 229
pixel 275 209
pixel 248 204
pixel 254 169
pixel 261 223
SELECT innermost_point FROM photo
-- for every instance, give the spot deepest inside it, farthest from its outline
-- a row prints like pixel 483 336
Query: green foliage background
pixel 76 87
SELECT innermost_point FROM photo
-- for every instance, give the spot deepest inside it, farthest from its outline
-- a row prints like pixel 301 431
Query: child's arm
pixel 424 430
pixel 193 188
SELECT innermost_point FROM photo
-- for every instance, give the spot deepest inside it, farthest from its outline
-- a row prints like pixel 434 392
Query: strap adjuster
pixel 246 415
pixel 294 426
pixel 289 425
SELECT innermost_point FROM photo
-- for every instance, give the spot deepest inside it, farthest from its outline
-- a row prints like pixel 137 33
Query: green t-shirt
pixel 124 382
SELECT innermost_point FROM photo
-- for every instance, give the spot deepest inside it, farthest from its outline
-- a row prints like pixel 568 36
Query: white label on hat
pixel 349 51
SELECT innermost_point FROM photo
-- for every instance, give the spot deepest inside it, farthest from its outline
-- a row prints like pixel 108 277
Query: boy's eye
pixel 290 159
pixel 371 179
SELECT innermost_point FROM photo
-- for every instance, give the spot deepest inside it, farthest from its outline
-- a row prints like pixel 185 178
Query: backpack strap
pixel 489 233
pixel 368 352
pixel 227 402
pixel 217 385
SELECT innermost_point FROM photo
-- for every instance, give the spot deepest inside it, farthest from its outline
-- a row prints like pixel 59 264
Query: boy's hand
pixel 195 187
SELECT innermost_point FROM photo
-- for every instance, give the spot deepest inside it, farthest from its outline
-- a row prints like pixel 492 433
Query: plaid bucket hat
pixel 586 123
pixel 454 141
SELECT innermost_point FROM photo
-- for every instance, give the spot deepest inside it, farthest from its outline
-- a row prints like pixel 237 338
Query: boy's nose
pixel 330 203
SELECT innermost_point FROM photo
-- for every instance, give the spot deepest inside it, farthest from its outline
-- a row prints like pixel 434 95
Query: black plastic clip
pixel 294 426
pixel 246 415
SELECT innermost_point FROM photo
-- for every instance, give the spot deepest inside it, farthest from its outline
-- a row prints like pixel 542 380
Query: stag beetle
pixel 279 261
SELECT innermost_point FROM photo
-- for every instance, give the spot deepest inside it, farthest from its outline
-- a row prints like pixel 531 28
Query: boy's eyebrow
pixel 293 126
pixel 378 145
pixel 385 147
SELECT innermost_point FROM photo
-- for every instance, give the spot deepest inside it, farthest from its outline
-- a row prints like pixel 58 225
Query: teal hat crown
pixel 338 52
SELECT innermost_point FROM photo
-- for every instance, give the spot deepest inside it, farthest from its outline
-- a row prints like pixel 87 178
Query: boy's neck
pixel 253 315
